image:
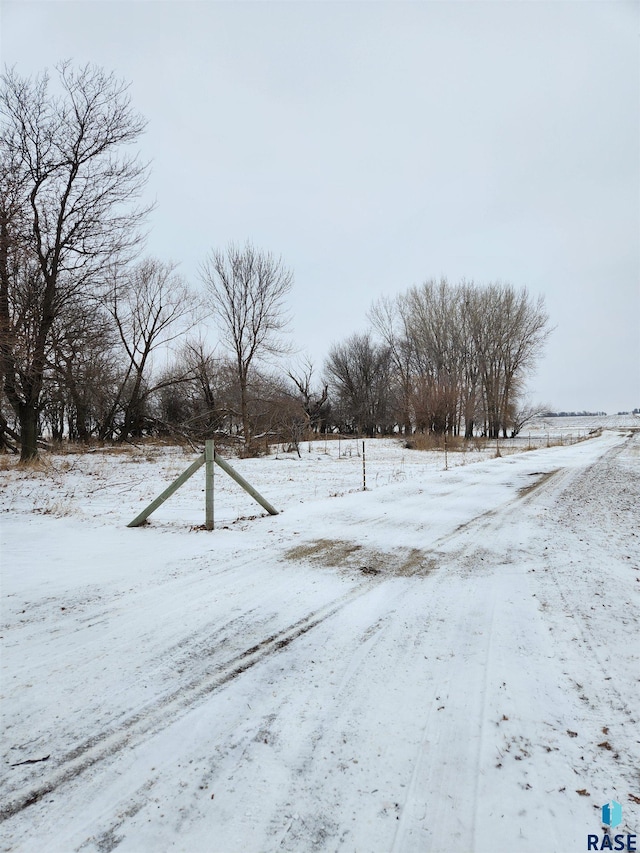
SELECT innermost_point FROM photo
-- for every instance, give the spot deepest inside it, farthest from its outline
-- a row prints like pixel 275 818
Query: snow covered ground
pixel 578 426
pixel 447 661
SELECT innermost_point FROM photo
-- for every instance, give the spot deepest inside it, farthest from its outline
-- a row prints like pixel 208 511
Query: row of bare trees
pixel 82 322
pixel 447 359
pixel 97 343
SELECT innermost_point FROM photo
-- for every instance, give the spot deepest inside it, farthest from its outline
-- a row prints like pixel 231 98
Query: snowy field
pixel 447 661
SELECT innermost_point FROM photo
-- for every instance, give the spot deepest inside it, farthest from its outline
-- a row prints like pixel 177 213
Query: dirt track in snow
pixel 455 688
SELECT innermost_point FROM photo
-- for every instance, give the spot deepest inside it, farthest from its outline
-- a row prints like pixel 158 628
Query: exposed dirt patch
pixel 542 478
pixel 328 552
pixel 341 554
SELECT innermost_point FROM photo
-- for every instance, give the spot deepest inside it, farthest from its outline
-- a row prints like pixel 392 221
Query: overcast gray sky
pixel 375 145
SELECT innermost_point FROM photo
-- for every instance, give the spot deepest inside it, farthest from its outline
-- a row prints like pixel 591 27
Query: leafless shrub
pixel 435 441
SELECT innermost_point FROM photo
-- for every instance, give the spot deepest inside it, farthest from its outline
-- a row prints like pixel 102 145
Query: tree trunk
pixel 82 420
pixel 244 409
pixel 28 433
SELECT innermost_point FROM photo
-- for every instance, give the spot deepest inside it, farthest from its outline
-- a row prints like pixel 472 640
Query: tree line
pixel 441 358
pixel 99 342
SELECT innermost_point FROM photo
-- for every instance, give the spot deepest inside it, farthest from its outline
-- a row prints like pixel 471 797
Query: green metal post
pixel 209 454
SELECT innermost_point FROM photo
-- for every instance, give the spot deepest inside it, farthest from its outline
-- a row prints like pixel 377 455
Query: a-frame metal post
pixel 208 458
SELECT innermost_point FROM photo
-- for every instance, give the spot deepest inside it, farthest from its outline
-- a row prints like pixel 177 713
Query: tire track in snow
pixel 452 769
pixel 583 484
pixel 448 768
pixel 443 767
pixel 483 706
pixel 331 738
pixel 574 587
pixel 548 480
pixel 186 648
pixel 150 720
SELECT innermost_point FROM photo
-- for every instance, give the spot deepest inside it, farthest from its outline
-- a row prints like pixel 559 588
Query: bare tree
pixel 247 288
pixel 83 364
pixel 313 400
pixel 526 322
pixel 524 413
pixel 201 403
pixel 509 330
pixel 436 352
pixel 470 386
pixel 151 306
pixel 290 421
pixel 391 318
pixel 66 190
pixel 358 371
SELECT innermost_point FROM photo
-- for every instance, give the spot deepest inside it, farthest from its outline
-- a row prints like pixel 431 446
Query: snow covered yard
pixel 449 660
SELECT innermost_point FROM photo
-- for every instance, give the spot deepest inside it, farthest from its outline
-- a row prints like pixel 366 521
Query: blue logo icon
pixel 612 814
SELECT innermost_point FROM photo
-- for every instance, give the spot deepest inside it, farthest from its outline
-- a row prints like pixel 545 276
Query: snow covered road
pixel 448 662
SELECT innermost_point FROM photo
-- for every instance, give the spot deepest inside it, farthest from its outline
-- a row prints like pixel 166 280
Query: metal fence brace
pixel 208 458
